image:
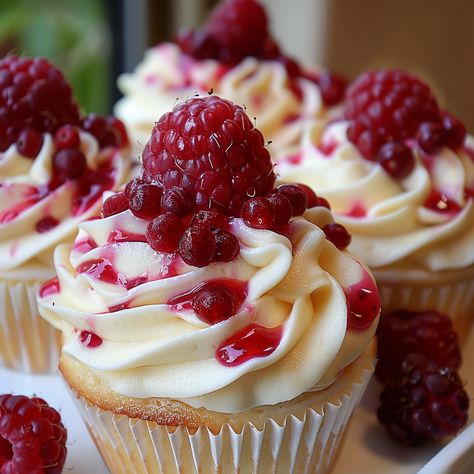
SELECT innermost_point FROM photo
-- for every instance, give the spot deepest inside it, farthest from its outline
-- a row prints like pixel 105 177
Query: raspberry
pixel 235 29
pixel 33 94
pixel 29 143
pixel 175 200
pixel 90 339
pixel 209 147
pixel 108 131
pixel 454 131
pixel 385 106
pixel 208 218
pixel 338 235
pixel 297 197
pixel 69 163
pixel 396 159
pixel 32 437
pixel 282 209
pixel 163 234
pixel 227 246
pixel 144 200
pixel 310 195
pixel 320 201
pixel 332 88
pixel 423 403
pixel 197 246
pixel 431 136
pixel 429 333
pixel 67 137
pixel 131 186
pixel 114 204
pixel 258 213
pixel 214 303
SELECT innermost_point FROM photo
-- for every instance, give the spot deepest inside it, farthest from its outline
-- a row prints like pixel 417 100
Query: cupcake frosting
pixel 36 215
pixel 305 311
pixel 282 104
pixel 425 220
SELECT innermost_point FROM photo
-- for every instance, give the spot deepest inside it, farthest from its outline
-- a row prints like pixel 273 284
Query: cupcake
pixel 399 174
pixel 235 56
pixel 54 166
pixel 205 336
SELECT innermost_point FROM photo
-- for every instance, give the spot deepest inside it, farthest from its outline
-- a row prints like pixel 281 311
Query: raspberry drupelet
pixel 32 437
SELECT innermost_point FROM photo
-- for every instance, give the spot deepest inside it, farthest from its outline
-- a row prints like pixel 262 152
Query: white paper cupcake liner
pixel 27 342
pixel 300 444
pixel 455 299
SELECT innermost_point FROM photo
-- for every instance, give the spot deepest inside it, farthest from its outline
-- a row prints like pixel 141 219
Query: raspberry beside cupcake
pixel 53 172
pixel 188 322
pixel 399 173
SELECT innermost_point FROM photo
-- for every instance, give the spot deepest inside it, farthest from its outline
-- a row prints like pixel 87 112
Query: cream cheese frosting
pixel 282 104
pixel 25 199
pixel 390 222
pixel 114 286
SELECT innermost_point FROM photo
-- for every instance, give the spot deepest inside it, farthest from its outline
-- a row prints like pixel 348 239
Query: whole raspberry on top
pixel 32 437
pixel 235 29
pixel 209 148
pixel 429 333
pixel 35 98
pixel 391 106
pixel 423 403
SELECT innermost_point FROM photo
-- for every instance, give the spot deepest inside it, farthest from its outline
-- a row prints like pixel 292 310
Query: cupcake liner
pixel 455 299
pixel 305 443
pixel 27 342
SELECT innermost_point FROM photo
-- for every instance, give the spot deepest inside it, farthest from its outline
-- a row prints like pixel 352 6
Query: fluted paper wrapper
pixel 27 342
pixel 300 444
pixel 455 299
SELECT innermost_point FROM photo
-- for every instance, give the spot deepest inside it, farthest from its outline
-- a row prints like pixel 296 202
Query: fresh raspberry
pixel 144 200
pixel 385 106
pixel 69 163
pixel 209 218
pixel 258 213
pixel 310 195
pixel 67 137
pixel 320 201
pixel 234 30
pixel 282 208
pixel 163 233
pixel 454 131
pixel 423 403
pixel 32 437
pixel 109 131
pixel 214 303
pixel 332 88
pixel 297 197
pixel 175 200
pixel 338 235
pixel 227 246
pixel 429 333
pixel 197 246
pixel 396 159
pixel 431 136
pixel 33 94
pixel 114 204
pixel 29 143
pixel 209 147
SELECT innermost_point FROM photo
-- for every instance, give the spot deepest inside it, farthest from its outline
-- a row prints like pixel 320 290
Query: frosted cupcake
pixel 53 170
pixel 235 56
pixel 197 337
pixel 399 174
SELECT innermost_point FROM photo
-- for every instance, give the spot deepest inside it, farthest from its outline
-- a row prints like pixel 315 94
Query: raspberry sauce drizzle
pixel 49 288
pixel 251 342
pixel 363 304
pixel 439 202
pixel 118 235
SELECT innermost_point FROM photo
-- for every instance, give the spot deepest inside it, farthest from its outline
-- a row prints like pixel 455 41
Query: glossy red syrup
pixel 119 307
pixel 327 147
pixel 99 269
pixel 363 304
pixel 170 266
pixel 12 212
pixel 134 282
pixel 357 210
pixel 439 202
pixel 118 235
pixel 49 288
pixel 84 246
pixel 185 301
pixel 251 342
pixel 46 224
pixel 89 339
pixel 295 159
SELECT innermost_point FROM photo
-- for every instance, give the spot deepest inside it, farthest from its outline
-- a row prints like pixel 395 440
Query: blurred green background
pixel 74 34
